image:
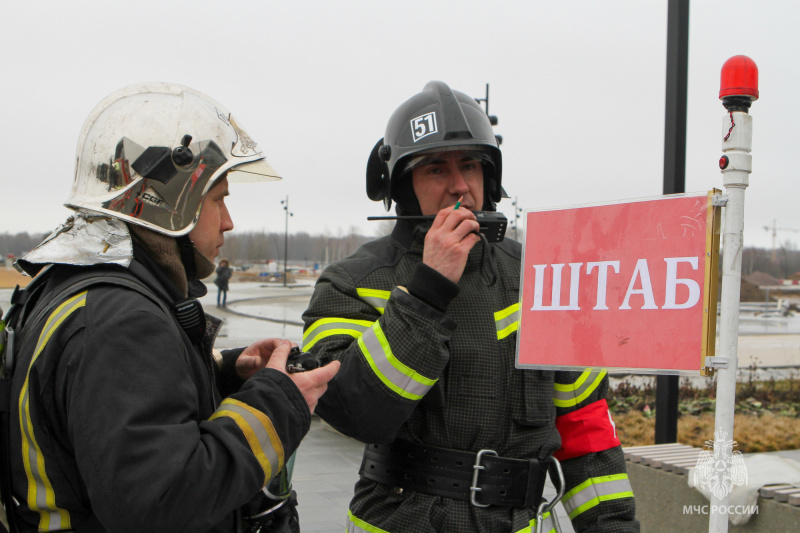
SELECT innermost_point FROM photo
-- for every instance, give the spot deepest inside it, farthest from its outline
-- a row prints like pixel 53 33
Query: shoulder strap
pixel 16 320
pixel 92 278
pixel 20 300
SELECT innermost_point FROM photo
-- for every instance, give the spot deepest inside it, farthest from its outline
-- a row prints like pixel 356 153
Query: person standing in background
pixel 224 274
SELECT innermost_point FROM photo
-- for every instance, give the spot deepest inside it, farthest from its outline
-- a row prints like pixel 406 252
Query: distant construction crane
pixel 775 231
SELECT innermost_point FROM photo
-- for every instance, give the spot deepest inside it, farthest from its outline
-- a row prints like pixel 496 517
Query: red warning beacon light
pixel 738 86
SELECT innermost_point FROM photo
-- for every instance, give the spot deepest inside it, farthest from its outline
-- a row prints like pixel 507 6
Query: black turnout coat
pixel 122 421
pixel 429 362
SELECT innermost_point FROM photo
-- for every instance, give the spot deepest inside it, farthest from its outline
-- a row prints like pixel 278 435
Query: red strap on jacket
pixel 589 429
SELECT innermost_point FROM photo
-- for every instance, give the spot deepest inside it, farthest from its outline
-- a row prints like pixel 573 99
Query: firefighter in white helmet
pixel 121 418
pixel 424 322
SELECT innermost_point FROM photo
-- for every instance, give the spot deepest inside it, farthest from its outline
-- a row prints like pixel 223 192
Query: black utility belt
pixel 482 478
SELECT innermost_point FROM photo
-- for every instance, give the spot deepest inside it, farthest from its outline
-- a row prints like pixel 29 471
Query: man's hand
pixel 273 353
pixel 453 234
pixel 257 355
pixel 313 383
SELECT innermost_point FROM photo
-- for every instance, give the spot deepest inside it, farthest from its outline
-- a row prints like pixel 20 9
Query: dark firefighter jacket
pixel 118 418
pixel 429 362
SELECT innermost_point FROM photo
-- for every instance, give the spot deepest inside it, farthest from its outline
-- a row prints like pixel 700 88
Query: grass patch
pixel 752 433
pixel 767 414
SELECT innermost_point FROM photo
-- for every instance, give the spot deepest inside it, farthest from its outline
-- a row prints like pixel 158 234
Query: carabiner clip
pixel 549 507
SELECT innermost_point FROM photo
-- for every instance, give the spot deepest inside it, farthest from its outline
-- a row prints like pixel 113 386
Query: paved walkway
pixel 325 471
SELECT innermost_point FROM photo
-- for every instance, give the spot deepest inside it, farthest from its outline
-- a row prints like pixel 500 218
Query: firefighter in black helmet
pixel 424 322
pixel 437 120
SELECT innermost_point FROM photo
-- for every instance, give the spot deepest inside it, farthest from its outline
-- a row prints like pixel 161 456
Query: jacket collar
pixel 148 270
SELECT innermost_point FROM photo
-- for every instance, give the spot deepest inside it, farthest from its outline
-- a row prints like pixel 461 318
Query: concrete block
pixel 665 503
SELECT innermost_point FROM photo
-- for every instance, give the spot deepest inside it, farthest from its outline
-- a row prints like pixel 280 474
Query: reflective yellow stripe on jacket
pixel 595 490
pixel 548 525
pixel 259 432
pixel 41 497
pixel 507 321
pixel 571 394
pixel 325 327
pixel 356 525
pixel 374 297
pixel 400 378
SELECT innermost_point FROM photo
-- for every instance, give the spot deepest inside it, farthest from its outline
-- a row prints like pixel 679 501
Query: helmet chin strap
pixel 405 197
pixel 186 249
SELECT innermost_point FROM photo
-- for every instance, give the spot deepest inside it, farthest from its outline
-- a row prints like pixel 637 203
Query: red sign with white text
pixel 615 286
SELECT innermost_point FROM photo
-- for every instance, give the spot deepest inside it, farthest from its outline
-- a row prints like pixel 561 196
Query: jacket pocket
pixel 535 407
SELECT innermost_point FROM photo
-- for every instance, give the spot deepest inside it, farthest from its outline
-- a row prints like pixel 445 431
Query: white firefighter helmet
pixel 150 152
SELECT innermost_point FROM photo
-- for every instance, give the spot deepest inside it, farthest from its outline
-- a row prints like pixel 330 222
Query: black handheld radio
pixel 300 361
pixel 493 224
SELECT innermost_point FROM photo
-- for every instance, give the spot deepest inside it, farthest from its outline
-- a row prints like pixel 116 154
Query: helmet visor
pixel 253 171
pixel 436 154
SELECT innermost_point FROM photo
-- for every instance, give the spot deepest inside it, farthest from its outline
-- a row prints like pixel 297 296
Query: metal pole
pixel 286 241
pixel 736 165
pixel 735 182
pixel 666 429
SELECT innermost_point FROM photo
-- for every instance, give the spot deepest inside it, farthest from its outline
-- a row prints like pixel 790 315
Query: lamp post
pixel 517 213
pixel 492 118
pixel 674 180
pixel 286 239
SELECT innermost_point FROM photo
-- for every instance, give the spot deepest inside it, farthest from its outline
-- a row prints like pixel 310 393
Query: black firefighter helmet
pixel 438 118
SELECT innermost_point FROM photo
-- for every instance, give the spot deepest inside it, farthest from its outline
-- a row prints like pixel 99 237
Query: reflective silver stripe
pixel 571 394
pixel 41 497
pixel 259 433
pixel 594 491
pixel 507 321
pixel 400 378
pixel 374 297
pixel 325 327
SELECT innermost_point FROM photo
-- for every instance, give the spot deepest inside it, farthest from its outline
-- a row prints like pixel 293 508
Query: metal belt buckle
pixel 476 468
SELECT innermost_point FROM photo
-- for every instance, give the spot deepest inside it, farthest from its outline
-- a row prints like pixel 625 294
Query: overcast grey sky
pixel 578 86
